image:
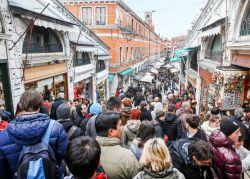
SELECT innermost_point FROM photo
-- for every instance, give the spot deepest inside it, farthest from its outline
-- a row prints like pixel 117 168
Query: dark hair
pixel 30 101
pixel 106 121
pixel 193 121
pixel 113 102
pixel 82 157
pixel 145 132
pixel 200 149
pixel 159 114
pixel 79 109
pixel 213 118
pixel 215 111
pixel 171 107
pixel 143 104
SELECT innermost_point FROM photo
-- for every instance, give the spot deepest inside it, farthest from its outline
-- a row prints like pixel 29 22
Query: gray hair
pixel 239 112
pixel 60 95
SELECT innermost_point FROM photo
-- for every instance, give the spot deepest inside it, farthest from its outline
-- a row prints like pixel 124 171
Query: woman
pixel 211 125
pixel 146 132
pixel 156 162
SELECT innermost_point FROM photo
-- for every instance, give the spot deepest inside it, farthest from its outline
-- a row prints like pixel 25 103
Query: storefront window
pixel 82 58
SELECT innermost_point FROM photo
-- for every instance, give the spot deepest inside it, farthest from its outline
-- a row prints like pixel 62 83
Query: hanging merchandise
pixel 235 83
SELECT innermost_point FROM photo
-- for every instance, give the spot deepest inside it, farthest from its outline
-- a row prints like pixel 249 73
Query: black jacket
pixel 200 135
pixel 54 107
pixel 145 115
pixel 172 127
pixel 67 124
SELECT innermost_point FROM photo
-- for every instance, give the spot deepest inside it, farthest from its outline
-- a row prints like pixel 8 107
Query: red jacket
pixel 226 162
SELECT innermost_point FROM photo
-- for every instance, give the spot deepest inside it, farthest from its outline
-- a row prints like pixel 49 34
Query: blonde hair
pixel 155 155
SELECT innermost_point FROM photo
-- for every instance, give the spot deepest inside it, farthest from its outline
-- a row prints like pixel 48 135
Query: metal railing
pixel 100 68
pixel 45 48
pixel 80 62
pixel 245 27
pixel 212 55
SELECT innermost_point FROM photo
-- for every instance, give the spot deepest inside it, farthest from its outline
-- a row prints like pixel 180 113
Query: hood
pixel 95 109
pixel 108 141
pixel 205 126
pixel 170 117
pixel 169 173
pixel 133 125
pixel 218 139
pixel 28 129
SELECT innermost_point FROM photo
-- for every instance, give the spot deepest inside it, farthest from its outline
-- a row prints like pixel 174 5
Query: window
pixel 100 16
pixel 87 15
pixel 136 26
pixel 120 54
pixel 100 65
pixel 82 58
pixel 126 53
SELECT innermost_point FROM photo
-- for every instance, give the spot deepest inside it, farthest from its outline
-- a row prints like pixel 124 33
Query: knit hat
pixel 95 109
pixel 63 111
pixel 228 127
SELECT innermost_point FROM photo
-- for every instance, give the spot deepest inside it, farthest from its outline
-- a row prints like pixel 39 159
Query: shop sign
pixel 231 100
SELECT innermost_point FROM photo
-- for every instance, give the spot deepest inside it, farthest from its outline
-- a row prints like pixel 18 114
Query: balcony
pixel 44 48
pixel 245 27
pixel 100 68
pixel 215 56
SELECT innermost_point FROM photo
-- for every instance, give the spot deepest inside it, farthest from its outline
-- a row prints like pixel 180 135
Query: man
pixel 28 129
pixel 114 104
pixel 118 162
pixel 226 163
pixel 59 100
pixel 83 158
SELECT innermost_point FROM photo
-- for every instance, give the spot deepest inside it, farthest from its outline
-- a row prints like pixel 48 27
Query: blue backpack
pixel 38 161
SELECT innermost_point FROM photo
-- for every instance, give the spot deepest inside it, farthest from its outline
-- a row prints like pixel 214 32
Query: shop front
pixel 49 80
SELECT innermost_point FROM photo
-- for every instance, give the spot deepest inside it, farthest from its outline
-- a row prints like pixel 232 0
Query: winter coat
pixel 134 147
pixel 138 100
pixel 199 135
pixel 171 127
pixel 226 162
pixel 145 115
pixel 244 131
pixel 244 155
pixel 28 130
pixel 54 107
pixel 90 128
pixel 118 162
pixel 129 132
pixel 78 119
pixel 158 129
pixel 170 173
pixel 67 124
pixel 207 129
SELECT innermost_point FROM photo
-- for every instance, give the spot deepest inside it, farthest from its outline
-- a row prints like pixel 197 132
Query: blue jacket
pixel 28 130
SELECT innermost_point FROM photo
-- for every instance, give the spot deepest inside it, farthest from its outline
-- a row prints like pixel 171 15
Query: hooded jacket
pixel 129 132
pixel 207 129
pixel 118 162
pixel 54 107
pixel 28 130
pixel 171 127
pixel 226 162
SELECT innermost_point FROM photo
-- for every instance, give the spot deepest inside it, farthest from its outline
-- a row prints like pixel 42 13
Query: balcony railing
pixel 215 56
pixel 45 48
pixel 245 27
pixel 100 68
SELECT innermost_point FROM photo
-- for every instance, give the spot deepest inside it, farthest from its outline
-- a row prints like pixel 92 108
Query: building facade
pixel 132 41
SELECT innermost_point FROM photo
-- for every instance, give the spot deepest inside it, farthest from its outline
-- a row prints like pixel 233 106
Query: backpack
pixel 38 161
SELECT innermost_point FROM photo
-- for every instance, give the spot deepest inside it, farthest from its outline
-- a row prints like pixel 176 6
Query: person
pixel 138 99
pixel 158 105
pixel 192 158
pixel 114 104
pixel 145 113
pixel 151 109
pixel 160 117
pixel 126 110
pixel 226 162
pixel 193 131
pixel 146 132
pixel 238 119
pixel 193 106
pixel 58 101
pixel 28 129
pixel 185 109
pixel 211 125
pixel 118 162
pixel 130 130
pixel 243 153
pixel 172 125
pixel 83 158
pixel 81 113
pixel 156 162
pixel 63 115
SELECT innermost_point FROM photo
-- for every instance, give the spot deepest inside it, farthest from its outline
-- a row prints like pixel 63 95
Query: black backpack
pixel 38 161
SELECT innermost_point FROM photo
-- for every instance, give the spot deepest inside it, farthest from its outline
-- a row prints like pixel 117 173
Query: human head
pixel 200 152
pixel 170 97
pixel 186 106
pixel 126 102
pixel 95 109
pixel 60 95
pixel 143 105
pixel 157 99
pixel 192 121
pixel 108 124
pixel 103 105
pixel 152 105
pixel 160 115
pixel 155 155
pixel 30 101
pixel 215 111
pixel 146 132
pixel 247 111
pixel 114 104
pixel 81 109
pixel 135 114
pixel 83 157
pixel 171 108
pixel 239 113
pixel 240 142
pixel 214 121
pixel 63 111
pixel 231 130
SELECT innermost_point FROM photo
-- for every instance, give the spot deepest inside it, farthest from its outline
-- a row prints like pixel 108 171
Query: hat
pixel 95 109
pixel 228 127
pixel 63 111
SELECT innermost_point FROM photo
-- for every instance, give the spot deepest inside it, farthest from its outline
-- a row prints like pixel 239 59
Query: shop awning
pixel 147 79
pixel 183 52
pixel 174 59
pixel 127 72
pixel 154 70
pixel 158 65
pixel 110 77
pixel 211 32
pixel 82 40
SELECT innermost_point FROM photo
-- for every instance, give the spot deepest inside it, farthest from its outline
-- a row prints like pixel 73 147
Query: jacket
pixel 90 128
pixel 158 128
pixel 207 129
pixel 129 132
pixel 54 107
pixel 28 130
pixel 171 127
pixel 170 173
pixel 118 162
pixel 67 124
pixel 226 162
pixel 78 119
pixel 145 115
pixel 199 135
pixel 134 147
pixel 244 155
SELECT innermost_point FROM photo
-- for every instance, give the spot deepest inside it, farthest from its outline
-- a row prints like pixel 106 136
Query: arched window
pixel 216 49
pixel 43 40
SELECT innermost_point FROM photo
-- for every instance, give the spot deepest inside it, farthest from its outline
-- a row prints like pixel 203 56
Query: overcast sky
pixel 171 17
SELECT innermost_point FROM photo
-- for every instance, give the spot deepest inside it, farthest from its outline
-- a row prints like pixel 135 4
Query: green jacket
pixel 118 162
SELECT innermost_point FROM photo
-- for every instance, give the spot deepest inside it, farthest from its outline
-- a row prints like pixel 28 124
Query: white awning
pixel 104 57
pixel 147 79
pixel 101 52
pixel 86 49
pixel 153 70
pixel 210 32
pixel 168 66
pixel 46 59
pixel 73 37
pixel 54 26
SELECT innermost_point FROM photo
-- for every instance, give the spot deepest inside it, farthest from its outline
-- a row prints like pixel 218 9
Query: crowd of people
pixel 133 135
